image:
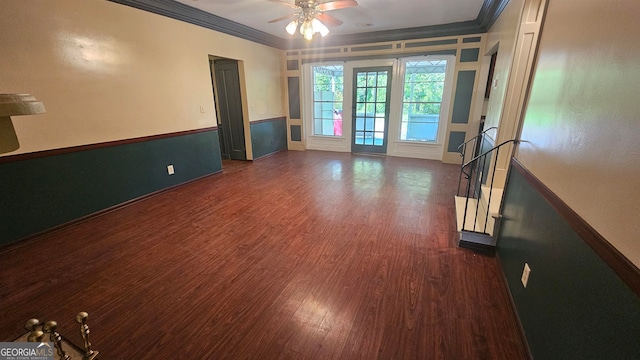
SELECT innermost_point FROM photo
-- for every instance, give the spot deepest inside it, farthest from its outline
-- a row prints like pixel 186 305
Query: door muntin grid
pixel 371 109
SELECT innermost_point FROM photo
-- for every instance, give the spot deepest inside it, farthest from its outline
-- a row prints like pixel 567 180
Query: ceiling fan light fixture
pixel 311 17
pixel 306 29
pixel 319 27
pixel 291 27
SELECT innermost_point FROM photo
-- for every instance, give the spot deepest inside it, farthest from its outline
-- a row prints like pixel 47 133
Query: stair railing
pixel 479 162
pixel 462 149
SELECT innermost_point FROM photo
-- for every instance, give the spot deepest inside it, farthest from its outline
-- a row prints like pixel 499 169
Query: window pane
pixel 381 95
pixel 423 91
pixel 382 79
pixel 361 94
pixel 327 127
pixel 362 79
pixel 328 85
pixel 371 79
pixel 359 140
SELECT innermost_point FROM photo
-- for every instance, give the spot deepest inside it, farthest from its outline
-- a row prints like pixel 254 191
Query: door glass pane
pixel 369 124
pixel 370 109
pixel 379 124
pixel 371 94
pixel 359 140
pixel 359 124
pixel 368 140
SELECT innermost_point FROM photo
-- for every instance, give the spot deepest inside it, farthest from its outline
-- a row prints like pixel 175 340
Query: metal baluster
pixel 493 176
pixel 461 169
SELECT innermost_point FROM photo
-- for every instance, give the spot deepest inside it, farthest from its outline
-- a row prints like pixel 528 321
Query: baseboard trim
pixel 27 240
pixel 270 154
pixel 625 269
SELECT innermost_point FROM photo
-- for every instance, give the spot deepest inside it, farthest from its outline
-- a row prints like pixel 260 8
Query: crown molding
pixel 182 12
pixel 489 13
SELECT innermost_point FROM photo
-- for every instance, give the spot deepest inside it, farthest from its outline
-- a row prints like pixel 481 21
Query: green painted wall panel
pixel 474 39
pixel 574 306
pixel 296 133
pixel 268 137
pixel 469 55
pixel 293 86
pixel 456 138
pixel 462 99
pixel 45 192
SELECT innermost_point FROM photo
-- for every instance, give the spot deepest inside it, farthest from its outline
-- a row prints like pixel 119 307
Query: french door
pixel 370 114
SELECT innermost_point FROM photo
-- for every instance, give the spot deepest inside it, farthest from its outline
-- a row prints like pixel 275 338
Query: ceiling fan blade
pixel 283 18
pixel 285 3
pixel 338 4
pixel 329 20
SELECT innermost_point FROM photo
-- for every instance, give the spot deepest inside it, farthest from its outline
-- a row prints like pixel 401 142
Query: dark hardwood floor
pixel 301 255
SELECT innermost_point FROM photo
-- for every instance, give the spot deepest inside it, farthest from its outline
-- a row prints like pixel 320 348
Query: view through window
pixel 422 99
pixel 328 84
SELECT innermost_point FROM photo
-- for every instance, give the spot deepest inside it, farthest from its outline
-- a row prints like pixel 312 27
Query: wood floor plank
pixel 301 255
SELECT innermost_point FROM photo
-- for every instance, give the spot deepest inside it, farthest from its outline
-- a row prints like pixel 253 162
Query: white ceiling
pixel 369 15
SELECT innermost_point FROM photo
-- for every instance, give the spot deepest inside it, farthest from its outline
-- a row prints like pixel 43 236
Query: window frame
pixel 309 100
pixel 445 104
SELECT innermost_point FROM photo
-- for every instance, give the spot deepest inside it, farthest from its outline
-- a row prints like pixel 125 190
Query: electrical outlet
pixel 525 275
pixel 170 169
pixel 202 109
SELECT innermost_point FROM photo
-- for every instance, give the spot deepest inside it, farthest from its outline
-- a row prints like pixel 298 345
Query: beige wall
pixel 107 72
pixel 503 36
pixel 581 133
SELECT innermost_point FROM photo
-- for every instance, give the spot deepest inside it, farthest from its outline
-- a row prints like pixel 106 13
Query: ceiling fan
pixel 311 16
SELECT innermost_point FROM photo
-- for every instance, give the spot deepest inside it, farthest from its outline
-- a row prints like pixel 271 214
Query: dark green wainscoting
pixel 43 192
pixel 268 136
pixel 574 306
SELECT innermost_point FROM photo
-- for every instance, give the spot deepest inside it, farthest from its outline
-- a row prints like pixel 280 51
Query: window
pixel 423 91
pixel 328 84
